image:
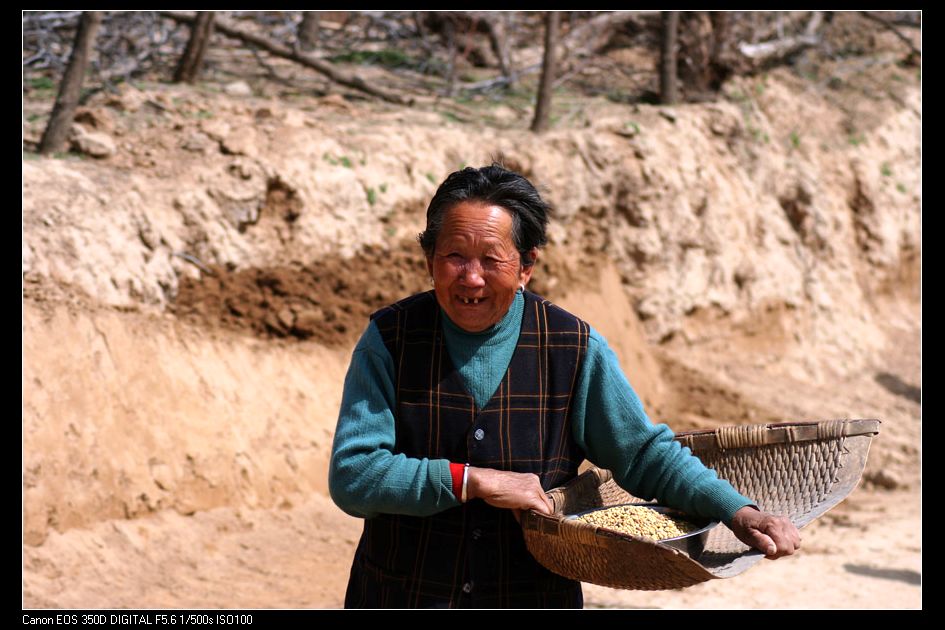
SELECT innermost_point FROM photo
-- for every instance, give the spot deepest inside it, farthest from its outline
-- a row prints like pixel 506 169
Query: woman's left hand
pixel 775 536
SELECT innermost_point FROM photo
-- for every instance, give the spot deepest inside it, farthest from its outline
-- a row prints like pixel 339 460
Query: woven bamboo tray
pixel 794 469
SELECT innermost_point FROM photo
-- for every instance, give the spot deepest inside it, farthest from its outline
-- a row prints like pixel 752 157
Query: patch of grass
pixel 431 178
pixel 901 187
pixel 758 135
pixel 33 117
pixel 390 232
pixel 30 155
pixel 371 196
pixel 451 117
pixel 343 160
pixel 204 114
pixel 66 155
pixel 519 94
pixel 632 125
pixel 795 139
pixel 383 187
pixel 885 169
pixel 856 139
pixel 42 83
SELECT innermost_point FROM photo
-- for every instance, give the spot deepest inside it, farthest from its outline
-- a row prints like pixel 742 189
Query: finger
pixel 786 537
pixel 517 514
pixel 764 543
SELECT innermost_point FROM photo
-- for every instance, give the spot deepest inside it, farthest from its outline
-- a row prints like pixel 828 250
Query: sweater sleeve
pixel 609 423
pixel 365 477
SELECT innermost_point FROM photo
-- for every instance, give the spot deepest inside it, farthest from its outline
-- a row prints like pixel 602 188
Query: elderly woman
pixel 463 405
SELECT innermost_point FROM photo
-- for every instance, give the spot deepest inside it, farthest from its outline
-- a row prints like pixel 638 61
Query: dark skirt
pixel 370 587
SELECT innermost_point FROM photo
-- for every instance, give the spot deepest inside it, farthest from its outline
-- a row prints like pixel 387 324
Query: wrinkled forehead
pixel 477 222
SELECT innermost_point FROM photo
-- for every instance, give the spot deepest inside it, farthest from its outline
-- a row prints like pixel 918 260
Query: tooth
pixel 475 300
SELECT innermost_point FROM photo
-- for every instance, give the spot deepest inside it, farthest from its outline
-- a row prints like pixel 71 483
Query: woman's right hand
pixel 506 489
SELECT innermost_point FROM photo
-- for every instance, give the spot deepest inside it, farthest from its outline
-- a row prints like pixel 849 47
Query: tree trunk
pixel 543 106
pixel 449 32
pixel 190 62
pixel 694 52
pixel 308 30
pixel 498 36
pixel 60 121
pixel 719 63
pixel 668 57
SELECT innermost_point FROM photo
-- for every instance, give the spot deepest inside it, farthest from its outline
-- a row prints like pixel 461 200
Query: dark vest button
pixel 467 587
pixel 479 434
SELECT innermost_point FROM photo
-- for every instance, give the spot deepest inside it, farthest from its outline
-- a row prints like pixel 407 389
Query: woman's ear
pixel 526 273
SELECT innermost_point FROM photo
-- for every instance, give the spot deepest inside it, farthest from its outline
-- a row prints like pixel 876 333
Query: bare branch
pixel 786 46
pixel 498 81
pixel 889 25
pixel 310 61
pixel 591 36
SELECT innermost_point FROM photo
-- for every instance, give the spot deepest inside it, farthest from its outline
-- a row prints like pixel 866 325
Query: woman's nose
pixel 472 273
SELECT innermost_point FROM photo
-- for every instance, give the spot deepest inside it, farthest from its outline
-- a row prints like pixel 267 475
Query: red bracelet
pixel 456 472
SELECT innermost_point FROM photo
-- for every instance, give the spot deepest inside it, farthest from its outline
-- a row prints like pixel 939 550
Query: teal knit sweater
pixel 608 421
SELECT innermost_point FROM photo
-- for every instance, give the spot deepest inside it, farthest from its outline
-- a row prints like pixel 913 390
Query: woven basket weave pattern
pixel 798 470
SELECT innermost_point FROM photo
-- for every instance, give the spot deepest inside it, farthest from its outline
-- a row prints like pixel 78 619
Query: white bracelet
pixel 465 479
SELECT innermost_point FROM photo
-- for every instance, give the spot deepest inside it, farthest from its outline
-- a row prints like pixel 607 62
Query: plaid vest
pixel 473 555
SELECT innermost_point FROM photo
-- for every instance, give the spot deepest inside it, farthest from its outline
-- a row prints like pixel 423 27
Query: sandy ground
pixel 865 553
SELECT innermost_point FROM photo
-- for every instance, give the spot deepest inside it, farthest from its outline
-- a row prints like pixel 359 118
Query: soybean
pixel 639 521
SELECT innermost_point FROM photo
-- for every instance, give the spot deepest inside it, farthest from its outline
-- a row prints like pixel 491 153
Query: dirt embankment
pixel 190 303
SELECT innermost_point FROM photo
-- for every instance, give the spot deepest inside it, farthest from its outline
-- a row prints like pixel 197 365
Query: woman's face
pixel 475 267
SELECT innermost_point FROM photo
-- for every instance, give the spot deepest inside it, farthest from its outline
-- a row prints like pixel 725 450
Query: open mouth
pixel 470 301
